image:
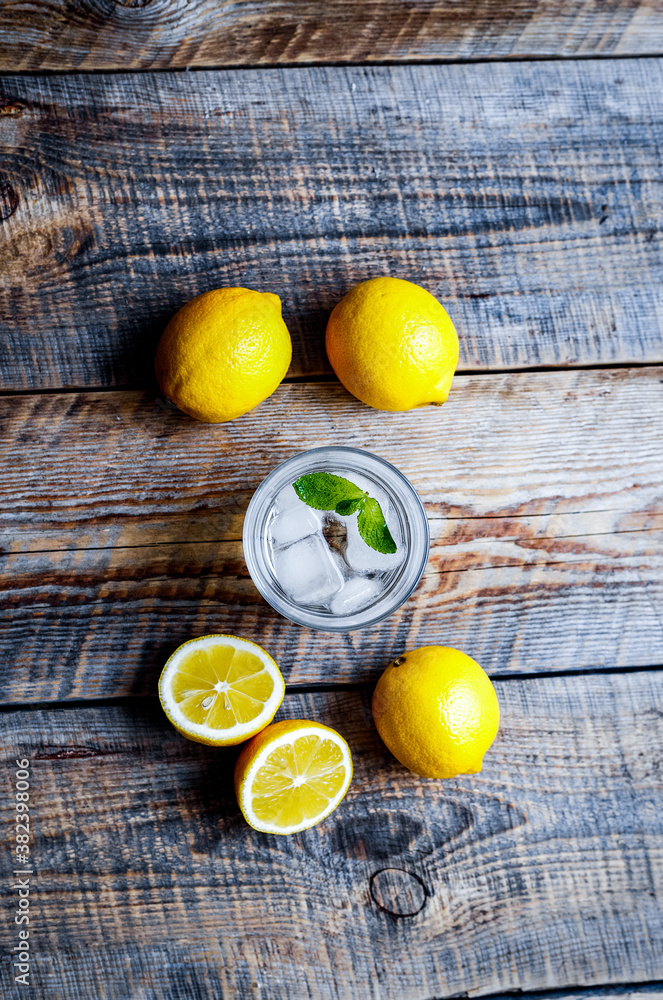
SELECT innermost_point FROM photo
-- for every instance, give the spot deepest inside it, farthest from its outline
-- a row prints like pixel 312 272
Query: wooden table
pixel 508 157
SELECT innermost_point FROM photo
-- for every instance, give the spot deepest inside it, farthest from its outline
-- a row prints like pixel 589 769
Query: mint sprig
pixel 324 491
pixel 373 527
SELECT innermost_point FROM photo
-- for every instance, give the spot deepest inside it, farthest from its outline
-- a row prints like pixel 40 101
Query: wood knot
pixel 398 892
pixel 133 3
pixel 8 200
pixel 11 109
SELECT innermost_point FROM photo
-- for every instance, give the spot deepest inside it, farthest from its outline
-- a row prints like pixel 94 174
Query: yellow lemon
pixel 437 711
pixel 291 775
pixel 220 689
pixel 223 353
pixel 392 345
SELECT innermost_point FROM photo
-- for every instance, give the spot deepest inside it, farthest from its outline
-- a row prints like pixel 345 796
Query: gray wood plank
pixel 141 34
pixel 526 196
pixel 544 871
pixel 121 530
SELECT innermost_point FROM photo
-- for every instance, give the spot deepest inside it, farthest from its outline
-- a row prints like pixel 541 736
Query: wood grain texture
pixel 546 870
pixel 143 34
pixel 527 197
pixel 122 527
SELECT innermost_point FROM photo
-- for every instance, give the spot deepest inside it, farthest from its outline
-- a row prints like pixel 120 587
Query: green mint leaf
pixel 373 527
pixel 346 507
pixel 323 491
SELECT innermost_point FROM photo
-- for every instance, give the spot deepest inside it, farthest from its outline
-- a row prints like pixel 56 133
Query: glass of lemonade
pixel 313 566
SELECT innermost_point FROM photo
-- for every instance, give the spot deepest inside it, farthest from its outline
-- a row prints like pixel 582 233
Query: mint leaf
pixel 346 507
pixel 373 527
pixel 323 491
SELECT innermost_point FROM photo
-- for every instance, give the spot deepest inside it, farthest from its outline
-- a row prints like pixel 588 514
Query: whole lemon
pixel 437 711
pixel 392 345
pixel 223 353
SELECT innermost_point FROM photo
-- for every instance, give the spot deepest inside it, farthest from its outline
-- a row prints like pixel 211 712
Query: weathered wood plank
pixel 543 871
pixel 122 527
pixel 82 470
pixel 526 196
pixel 141 34
pixel 101 624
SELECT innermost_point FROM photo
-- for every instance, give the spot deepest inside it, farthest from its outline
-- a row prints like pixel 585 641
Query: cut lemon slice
pixel 291 775
pixel 220 689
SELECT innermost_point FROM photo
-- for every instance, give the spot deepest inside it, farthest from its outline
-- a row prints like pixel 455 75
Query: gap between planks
pixel 328 379
pixel 652 989
pixel 374 64
pixel 295 689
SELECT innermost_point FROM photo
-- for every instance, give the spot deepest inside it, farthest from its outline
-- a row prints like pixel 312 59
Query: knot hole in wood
pixel 398 892
pixel 8 200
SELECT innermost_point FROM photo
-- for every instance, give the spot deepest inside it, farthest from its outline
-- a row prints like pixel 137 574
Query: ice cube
pixel 373 489
pixel 355 595
pixel 286 499
pixel 306 571
pixel 362 558
pixel 293 524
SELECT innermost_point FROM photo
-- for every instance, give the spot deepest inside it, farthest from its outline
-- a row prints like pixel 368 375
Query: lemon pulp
pixel 221 687
pixel 291 775
pixel 298 781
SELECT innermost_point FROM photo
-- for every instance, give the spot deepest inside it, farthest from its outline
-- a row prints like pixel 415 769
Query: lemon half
pixel 291 775
pixel 220 689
